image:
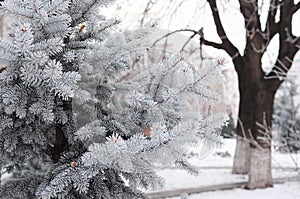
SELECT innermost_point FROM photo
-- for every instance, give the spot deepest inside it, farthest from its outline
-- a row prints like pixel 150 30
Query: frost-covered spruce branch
pixel 78 120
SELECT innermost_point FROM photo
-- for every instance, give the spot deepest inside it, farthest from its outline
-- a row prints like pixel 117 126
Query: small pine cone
pixel 147 132
pixel 73 164
pixel 82 27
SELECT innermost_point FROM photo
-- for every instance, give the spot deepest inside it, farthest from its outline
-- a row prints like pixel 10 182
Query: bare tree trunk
pixel 248 84
pixel 241 163
pixel 253 154
pixel 260 175
pixel 245 123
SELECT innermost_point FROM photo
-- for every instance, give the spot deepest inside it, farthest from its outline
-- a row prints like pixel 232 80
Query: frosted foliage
pixel 286 117
pixel 83 116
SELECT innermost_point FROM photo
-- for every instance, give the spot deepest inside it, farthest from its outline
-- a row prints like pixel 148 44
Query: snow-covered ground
pixel 289 190
pixel 215 170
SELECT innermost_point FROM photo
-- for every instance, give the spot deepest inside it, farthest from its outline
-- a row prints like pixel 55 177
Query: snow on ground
pixel 178 179
pixel 215 169
pixel 279 159
pixel 289 190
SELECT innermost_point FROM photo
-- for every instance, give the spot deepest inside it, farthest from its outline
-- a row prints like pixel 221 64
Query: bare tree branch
pixel 212 44
pixel 146 11
pixel 173 32
pixel 186 43
pixel 296 7
pixel 289 45
pixel 272 28
pixel 178 6
pixel 249 9
pixel 226 43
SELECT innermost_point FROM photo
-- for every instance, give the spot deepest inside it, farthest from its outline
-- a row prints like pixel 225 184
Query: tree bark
pixel 61 140
pixel 61 143
pixel 253 151
pixel 245 122
pixel 241 163
pixel 260 175
pixel 249 77
pixel 255 119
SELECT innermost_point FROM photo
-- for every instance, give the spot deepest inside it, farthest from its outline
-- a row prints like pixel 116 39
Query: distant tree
pixel 286 117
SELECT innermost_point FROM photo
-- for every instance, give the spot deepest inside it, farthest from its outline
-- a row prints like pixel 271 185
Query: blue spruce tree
pixel 78 120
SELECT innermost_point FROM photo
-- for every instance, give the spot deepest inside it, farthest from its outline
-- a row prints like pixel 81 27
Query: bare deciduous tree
pixel 257 88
